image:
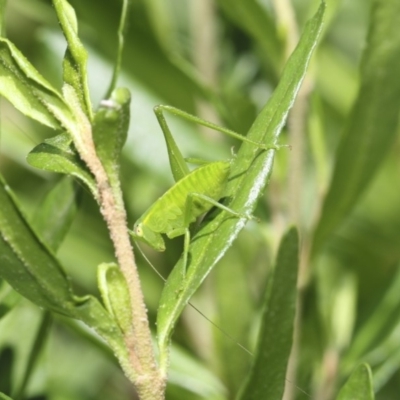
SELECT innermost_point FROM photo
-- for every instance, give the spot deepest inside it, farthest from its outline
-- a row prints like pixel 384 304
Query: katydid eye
pixel 139 230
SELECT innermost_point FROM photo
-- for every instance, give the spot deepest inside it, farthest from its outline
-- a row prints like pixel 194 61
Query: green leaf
pixel 267 377
pixel 58 154
pixel 186 368
pixel 56 213
pixel 389 362
pixel 228 309
pixel 115 293
pixel 3 4
pixel 26 264
pixel 27 90
pixel 7 364
pixel 111 123
pixel 121 41
pixel 250 172
pixel 4 397
pixel 372 126
pixel 36 350
pixel 8 298
pixel 75 60
pixel 379 325
pixel 160 18
pixel 359 385
pixel 253 18
pixel 51 221
pixel 92 313
pixel 32 270
pixel 31 94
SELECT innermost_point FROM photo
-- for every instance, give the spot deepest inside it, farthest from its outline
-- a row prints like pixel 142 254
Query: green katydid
pixel 193 194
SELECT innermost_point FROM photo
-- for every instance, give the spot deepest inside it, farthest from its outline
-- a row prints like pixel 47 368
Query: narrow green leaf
pixel 8 298
pixel 379 325
pixel 92 313
pixel 27 90
pixel 186 368
pixel 235 313
pixel 372 125
pixel 389 355
pixel 111 123
pixel 250 172
pixel 359 385
pixel 52 222
pixel 4 397
pixel 253 18
pixel 3 4
pixel 115 293
pixel 32 270
pixel 42 335
pixel 121 41
pixel 56 213
pixel 75 60
pixel 31 94
pixel 267 377
pixel 25 262
pixel 58 154
pixel 160 17
pixel 7 363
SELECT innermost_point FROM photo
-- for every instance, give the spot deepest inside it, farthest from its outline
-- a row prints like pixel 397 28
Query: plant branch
pixel 143 370
pixel 118 61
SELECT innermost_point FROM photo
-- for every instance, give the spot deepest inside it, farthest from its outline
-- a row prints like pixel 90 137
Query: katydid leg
pixel 177 161
pixel 188 217
pixel 197 120
pixel 207 199
pixel 178 164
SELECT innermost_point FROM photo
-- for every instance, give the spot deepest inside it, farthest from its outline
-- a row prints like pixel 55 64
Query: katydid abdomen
pixel 169 214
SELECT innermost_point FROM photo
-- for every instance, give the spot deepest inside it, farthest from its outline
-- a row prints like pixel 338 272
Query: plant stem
pixel 118 61
pixel 143 371
pixel 149 383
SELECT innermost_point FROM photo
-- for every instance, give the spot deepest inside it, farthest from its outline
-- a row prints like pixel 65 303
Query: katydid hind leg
pixel 189 214
pixel 187 217
pixel 213 203
pixel 186 244
pixel 177 163
pixel 197 120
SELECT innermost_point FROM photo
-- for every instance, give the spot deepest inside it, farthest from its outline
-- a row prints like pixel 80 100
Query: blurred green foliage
pixel 350 307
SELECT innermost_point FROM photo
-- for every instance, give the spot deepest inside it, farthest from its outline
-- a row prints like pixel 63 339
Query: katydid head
pixel 145 234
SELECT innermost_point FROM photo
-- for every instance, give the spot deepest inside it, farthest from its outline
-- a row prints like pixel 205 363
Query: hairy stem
pixel 143 370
